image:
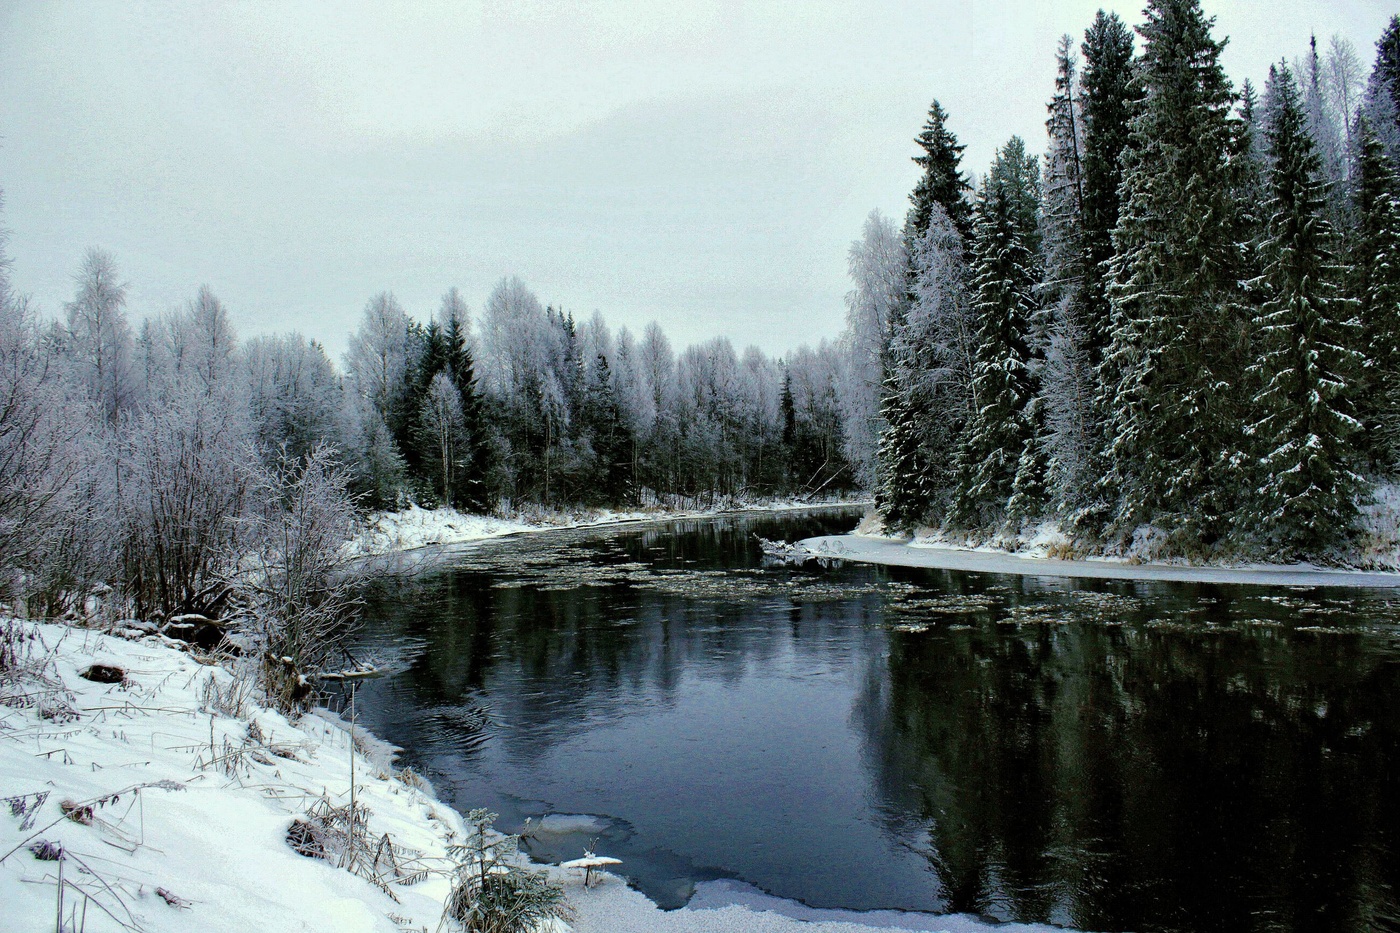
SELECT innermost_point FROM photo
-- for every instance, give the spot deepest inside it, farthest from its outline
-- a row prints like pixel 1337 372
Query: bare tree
pixel 181 487
pixel 294 393
pixel 293 591
pixel 877 263
pixel 1342 81
pixel 443 424
pixel 99 337
pixel 43 460
pixel 378 354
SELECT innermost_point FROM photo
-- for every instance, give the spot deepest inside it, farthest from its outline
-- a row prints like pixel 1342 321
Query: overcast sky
pixel 702 164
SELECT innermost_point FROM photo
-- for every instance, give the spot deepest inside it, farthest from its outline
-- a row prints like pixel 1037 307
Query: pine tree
pixel 1169 378
pixel 1308 337
pixel 1375 284
pixel 1004 274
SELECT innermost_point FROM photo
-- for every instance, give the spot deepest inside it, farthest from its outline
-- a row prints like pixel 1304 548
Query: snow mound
pixel 182 812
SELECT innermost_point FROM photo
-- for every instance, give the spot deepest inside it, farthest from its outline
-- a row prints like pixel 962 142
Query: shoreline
pixel 414 529
pixel 902 553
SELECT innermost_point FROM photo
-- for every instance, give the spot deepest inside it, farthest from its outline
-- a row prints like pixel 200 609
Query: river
pixel 1100 755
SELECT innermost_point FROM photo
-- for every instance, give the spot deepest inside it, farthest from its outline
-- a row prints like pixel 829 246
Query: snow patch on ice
pixel 716 895
pixel 930 552
pixel 565 823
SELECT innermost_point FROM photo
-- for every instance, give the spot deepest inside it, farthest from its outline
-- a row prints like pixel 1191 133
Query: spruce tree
pixel 1004 275
pixel 905 492
pixel 1062 207
pixel 932 355
pixel 904 497
pixel 1326 134
pixel 1382 101
pixel 1108 97
pixel 1308 338
pixel 419 451
pixel 603 422
pixel 473 489
pixel 942 182
pixel 1170 377
pixel 1375 284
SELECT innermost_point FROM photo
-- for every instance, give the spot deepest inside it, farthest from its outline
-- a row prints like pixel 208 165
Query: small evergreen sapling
pixel 491 892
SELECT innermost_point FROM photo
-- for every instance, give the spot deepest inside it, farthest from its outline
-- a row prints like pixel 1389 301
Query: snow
pixel 186 845
pixel 728 907
pixel 1379 546
pixel 569 823
pixel 936 554
pixel 415 527
pixel 217 843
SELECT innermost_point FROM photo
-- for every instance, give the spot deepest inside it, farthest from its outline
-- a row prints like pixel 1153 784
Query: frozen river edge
pixel 902 553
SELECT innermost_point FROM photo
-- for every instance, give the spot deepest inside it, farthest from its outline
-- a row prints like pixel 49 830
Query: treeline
pixel 167 467
pixel 1183 318
pixel 539 408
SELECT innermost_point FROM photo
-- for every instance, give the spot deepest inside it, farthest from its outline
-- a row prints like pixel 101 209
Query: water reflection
pixel 1102 755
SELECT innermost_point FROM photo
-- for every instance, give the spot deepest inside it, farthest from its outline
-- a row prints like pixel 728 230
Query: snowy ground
pixel 935 554
pixel 181 811
pixel 412 528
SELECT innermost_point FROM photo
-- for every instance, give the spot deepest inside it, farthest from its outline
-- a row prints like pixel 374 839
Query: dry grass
pixel 233 698
pixel 28 677
pixel 341 836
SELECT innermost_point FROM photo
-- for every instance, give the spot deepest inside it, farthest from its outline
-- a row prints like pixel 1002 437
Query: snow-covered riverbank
pixel 414 527
pixel 181 789
pixel 922 553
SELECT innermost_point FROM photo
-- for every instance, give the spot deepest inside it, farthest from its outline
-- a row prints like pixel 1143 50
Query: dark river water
pixel 1093 754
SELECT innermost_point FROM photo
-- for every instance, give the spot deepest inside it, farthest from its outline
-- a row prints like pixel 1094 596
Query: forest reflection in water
pixel 1094 754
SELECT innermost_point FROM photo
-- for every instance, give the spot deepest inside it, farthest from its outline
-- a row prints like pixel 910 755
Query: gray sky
pixel 703 164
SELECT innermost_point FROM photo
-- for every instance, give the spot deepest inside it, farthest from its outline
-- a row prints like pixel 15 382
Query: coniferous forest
pixel 1181 320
